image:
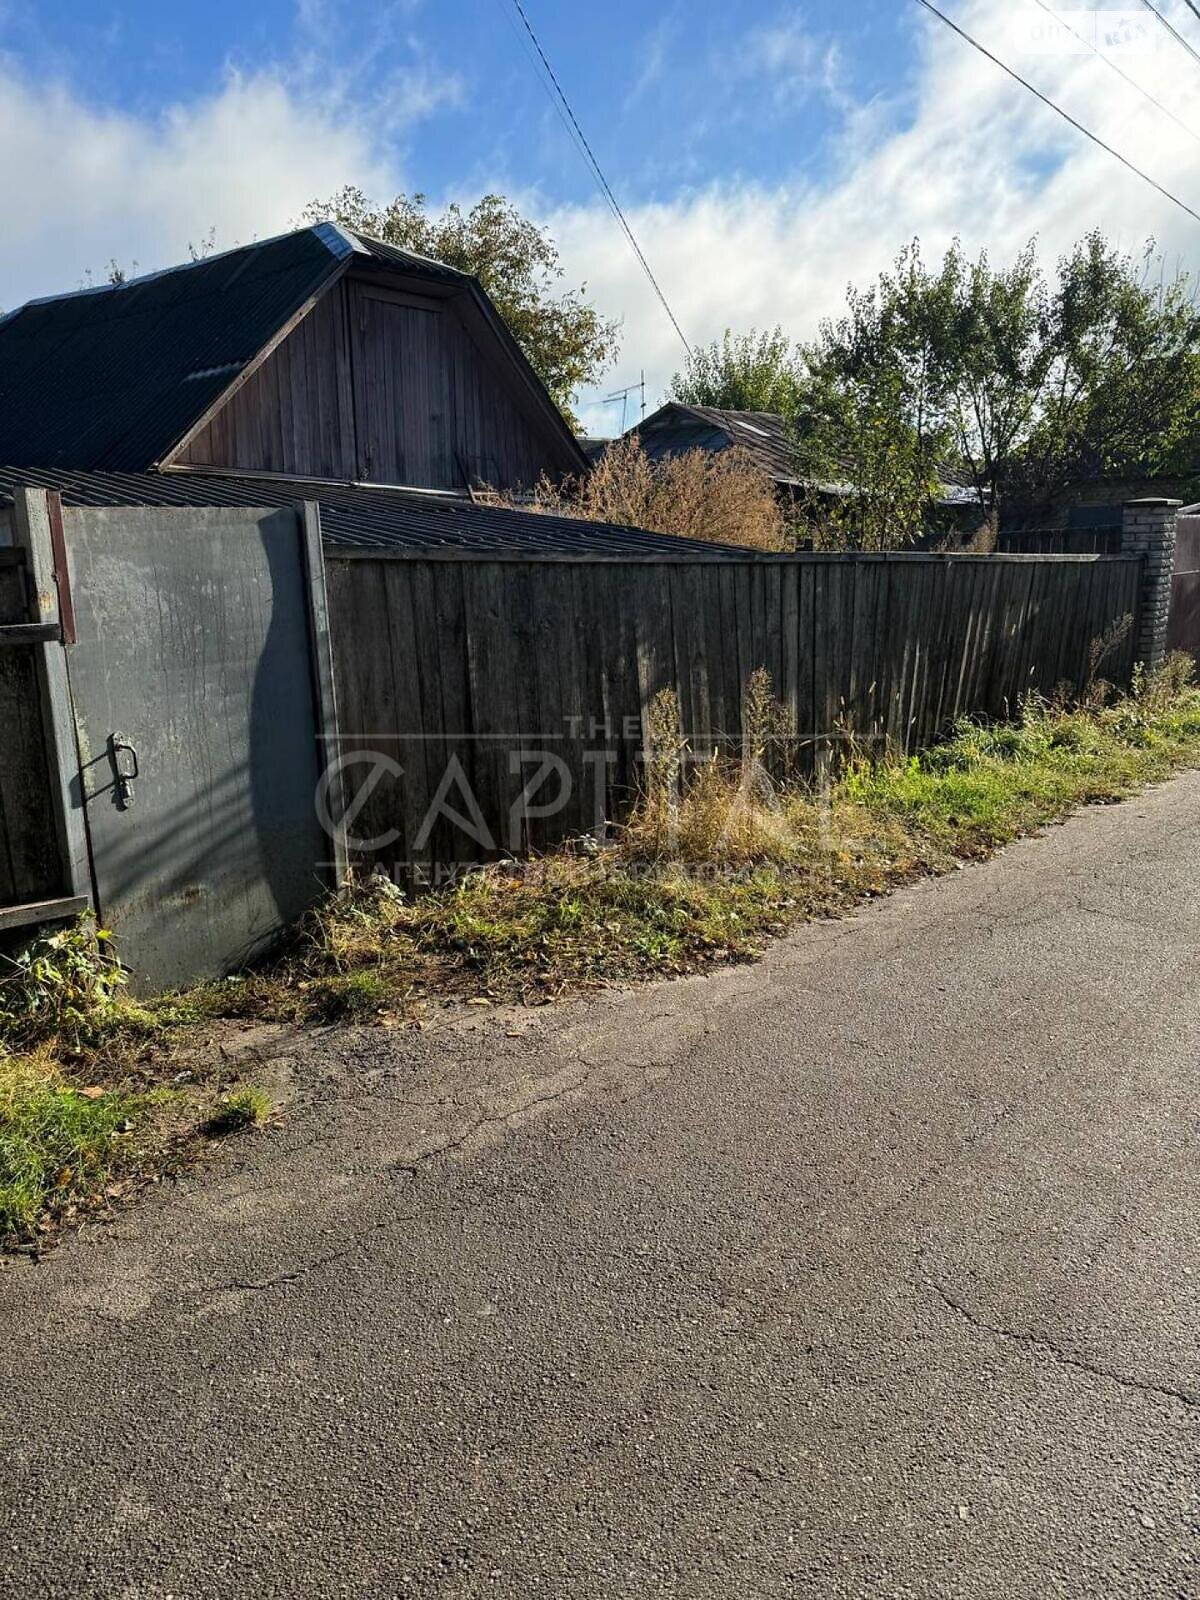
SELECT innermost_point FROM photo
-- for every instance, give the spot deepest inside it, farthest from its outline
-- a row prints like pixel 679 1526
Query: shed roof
pixel 367 515
pixel 113 378
pixel 762 434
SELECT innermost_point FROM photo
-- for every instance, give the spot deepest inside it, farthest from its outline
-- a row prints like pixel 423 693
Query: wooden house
pixel 319 354
pixel 320 365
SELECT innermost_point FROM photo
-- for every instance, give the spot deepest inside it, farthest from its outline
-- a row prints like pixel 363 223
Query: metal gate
pixel 197 655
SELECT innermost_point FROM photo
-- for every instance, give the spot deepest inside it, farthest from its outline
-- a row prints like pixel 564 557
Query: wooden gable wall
pixel 387 386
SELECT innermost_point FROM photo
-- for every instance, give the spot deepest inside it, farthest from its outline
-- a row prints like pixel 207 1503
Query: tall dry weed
pixel 721 498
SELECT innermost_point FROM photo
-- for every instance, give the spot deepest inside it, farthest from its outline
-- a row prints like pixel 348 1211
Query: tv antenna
pixel 623 396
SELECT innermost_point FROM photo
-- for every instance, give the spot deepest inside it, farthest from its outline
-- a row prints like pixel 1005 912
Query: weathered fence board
pixel 475 676
pixel 1100 541
pixel 30 863
pixel 1183 623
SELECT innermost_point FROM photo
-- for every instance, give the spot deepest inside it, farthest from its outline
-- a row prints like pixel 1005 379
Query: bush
pixel 66 984
pixel 721 498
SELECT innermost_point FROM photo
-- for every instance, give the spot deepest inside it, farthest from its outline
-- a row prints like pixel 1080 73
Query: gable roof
pixel 370 516
pixel 114 378
pixel 762 434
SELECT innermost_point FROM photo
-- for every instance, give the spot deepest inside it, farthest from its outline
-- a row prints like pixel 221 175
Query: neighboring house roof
pixel 367 515
pixel 114 378
pixel 764 436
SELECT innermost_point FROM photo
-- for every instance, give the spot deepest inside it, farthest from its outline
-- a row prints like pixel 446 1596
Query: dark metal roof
pixel 111 379
pixel 366 515
pixel 674 428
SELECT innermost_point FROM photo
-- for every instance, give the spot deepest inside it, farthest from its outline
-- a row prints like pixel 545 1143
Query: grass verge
pixel 62 1145
pixel 705 871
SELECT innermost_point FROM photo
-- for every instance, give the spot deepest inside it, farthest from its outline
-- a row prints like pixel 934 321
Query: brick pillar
pixel 1148 530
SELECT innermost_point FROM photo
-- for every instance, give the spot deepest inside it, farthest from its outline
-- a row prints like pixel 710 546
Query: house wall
pixel 386 386
pixel 1094 502
pixel 295 413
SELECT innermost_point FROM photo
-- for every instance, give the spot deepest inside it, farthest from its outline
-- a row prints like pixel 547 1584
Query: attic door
pixel 402 394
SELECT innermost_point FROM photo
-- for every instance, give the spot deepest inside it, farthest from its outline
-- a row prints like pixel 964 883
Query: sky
pixel 766 155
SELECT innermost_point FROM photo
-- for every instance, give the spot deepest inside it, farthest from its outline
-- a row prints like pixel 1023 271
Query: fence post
pixel 1148 530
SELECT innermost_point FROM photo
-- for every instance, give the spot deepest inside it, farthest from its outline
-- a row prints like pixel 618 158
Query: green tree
pixel 567 341
pixel 1122 392
pixel 741 372
pixel 871 475
pixel 1025 381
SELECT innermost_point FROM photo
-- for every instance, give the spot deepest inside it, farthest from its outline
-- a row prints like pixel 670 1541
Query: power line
pixel 1172 29
pixel 1066 115
pixel 585 149
pixel 1193 8
pixel 1120 71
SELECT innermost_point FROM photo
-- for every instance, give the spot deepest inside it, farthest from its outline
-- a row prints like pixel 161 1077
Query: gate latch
pixel 124 772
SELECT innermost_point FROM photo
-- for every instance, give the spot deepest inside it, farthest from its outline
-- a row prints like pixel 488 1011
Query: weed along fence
pixel 499 705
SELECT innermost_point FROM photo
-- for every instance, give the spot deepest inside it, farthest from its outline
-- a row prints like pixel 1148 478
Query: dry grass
pixel 723 498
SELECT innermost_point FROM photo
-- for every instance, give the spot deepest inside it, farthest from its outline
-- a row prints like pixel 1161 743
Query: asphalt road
pixel 873 1270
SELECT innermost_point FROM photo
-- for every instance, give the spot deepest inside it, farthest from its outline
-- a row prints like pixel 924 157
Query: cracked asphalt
pixel 871 1270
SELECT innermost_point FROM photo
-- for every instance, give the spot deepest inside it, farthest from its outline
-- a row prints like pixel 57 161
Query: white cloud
pixel 794 61
pixel 80 186
pixel 966 152
pixel 652 54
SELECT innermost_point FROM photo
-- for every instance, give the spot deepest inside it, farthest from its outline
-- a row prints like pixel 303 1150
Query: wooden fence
pixel 30 865
pixel 1101 541
pixel 512 691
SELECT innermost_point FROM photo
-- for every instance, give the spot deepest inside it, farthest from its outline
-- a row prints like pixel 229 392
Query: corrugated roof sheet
pixel 367 515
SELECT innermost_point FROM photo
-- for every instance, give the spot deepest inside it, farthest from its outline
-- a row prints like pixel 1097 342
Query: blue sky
pixel 766 155
pixel 674 95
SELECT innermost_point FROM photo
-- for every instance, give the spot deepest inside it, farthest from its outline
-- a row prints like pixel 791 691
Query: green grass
pixel 711 878
pixel 59 1143
pixel 987 785
pixel 245 1107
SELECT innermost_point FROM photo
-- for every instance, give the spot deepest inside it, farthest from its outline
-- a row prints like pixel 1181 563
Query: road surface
pixel 871 1270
